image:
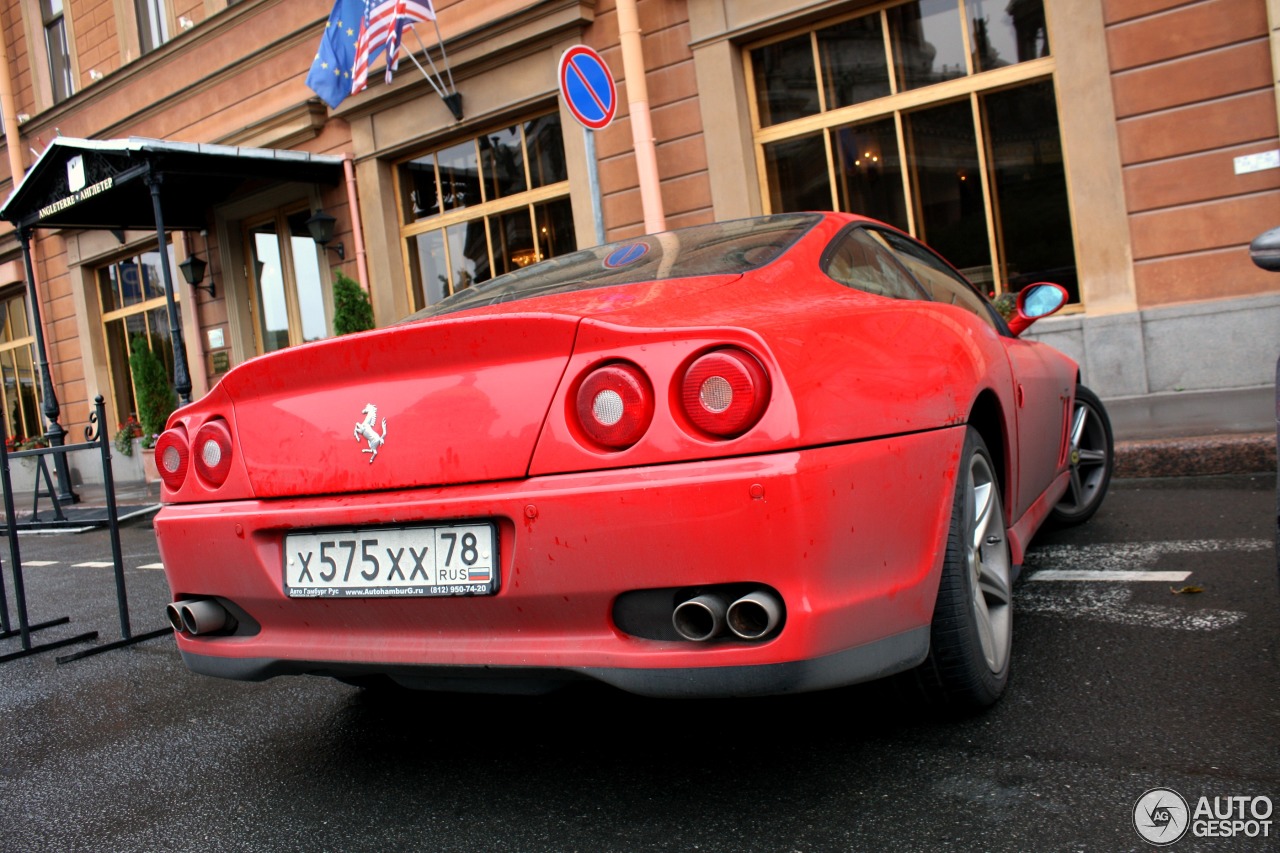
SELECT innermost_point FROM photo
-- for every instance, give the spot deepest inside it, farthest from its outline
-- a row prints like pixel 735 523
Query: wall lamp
pixel 193 271
pixel 321 227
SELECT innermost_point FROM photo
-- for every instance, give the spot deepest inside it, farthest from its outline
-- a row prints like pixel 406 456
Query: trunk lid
pixel 451 401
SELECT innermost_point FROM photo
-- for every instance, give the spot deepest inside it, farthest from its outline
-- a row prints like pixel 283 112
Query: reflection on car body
pixel 752 457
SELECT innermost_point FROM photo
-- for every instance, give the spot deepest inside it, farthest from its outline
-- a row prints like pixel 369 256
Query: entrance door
pixel 289 299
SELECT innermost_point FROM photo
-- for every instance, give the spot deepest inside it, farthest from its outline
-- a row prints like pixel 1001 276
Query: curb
pixel 1252 453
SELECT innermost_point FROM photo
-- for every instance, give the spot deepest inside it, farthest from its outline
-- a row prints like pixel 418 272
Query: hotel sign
pixel 77 197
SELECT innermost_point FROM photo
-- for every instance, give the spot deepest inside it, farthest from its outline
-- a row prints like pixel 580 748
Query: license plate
pixel 447 559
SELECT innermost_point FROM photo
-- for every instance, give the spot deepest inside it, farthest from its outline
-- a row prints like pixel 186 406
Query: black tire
pixel 971 638
pixel 1091 457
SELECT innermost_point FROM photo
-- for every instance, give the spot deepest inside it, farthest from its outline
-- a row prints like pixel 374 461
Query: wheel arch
pixel 987 417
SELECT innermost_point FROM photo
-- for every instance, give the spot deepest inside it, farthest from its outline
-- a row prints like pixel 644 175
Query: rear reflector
pixel 614 405
pixel 212 452
pixel 172 455
pixel 725 392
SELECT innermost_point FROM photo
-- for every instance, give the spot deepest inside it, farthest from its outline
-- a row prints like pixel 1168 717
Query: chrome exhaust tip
pixel 755 615
pixel 175 616
pixel 700 618
pixel 203 616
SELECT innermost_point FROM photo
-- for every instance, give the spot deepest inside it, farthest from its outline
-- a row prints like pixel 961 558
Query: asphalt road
pixel 1119 686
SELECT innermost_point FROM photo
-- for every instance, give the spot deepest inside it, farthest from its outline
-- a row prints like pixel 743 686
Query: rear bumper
pixel 850 536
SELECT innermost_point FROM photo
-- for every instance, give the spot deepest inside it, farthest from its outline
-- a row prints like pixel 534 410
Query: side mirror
pixel 1265 250
pixel 1036 301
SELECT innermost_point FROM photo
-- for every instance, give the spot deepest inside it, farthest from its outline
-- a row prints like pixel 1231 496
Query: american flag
pixel 380 29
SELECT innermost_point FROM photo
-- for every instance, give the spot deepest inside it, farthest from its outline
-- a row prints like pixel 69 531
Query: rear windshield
pixel 722 248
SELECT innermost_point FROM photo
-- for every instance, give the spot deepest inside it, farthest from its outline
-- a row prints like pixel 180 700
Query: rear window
pixel 722 248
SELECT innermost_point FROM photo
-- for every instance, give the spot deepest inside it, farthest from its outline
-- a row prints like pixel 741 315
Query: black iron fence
pixel 96 440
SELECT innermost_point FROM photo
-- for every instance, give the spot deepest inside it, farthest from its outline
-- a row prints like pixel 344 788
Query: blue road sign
pixel 587 87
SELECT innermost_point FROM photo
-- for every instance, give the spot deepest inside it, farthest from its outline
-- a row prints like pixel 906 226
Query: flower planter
pixel 149 471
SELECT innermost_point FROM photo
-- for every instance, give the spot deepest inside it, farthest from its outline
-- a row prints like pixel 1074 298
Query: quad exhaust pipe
pixel 196 616
pixel 754 616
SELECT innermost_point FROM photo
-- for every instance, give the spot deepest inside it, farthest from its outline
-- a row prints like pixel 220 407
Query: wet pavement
pixel 1117 688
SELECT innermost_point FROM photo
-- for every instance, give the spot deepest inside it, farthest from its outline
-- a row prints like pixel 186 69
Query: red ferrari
pixel 754 457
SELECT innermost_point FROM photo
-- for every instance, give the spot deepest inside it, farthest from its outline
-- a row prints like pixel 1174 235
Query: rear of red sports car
pixel 734 483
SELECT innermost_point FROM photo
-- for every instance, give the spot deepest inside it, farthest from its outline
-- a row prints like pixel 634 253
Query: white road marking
pixel 152 566
pixel 1124 562
pixel 1113 604
pixel 93 565
pixel 1122 556
pixel 26 563
pixel 1115 575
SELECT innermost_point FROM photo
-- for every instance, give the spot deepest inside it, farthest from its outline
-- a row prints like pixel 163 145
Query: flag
pixel 382 25
pixel 330 75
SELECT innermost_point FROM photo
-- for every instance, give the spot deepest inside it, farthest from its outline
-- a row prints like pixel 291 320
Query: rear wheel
pixel 1091 456
pixel 971 639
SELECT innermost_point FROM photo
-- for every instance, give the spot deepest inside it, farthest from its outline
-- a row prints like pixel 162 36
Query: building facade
pixel 1126 149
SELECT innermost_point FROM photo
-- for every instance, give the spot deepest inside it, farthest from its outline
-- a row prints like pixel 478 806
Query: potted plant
pixel 155 399
pixel 352 311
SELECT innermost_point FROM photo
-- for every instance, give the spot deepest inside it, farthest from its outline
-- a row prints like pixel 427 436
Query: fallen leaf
pixel 1186 590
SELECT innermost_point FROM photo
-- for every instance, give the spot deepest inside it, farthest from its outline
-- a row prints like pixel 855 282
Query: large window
pixel 135 314
pixel 20 391
pixel 485 206
pixel 57 49
pixel 937 116
pixel 289 301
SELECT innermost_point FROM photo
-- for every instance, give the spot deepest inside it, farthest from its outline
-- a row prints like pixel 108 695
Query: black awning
pixel 101 184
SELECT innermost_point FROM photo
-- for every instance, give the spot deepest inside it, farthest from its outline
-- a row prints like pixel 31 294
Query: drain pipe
pixel 641 126
pixel 12 139
pixel 353 204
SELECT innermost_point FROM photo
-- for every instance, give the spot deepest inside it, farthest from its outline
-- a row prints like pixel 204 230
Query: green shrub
pixel 151 388
pixel 352 311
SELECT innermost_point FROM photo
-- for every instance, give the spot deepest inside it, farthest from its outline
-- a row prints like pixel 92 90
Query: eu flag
pixel 330 75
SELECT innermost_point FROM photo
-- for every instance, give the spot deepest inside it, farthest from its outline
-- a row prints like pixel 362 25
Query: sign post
pixel 587 86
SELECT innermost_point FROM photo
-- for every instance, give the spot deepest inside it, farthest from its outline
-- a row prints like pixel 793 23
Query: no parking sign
pixel 586 84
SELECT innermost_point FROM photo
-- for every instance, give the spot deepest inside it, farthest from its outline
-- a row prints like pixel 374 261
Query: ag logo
pixel 1161 816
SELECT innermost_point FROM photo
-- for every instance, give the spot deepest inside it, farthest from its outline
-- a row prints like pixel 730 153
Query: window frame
pixel 279 218
pixel 54 26
pixel 969 88
pixel 485 211
pixel 17 294
pixel 143 307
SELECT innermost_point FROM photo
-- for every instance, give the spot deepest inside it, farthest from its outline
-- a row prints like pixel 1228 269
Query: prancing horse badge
pixel 365 430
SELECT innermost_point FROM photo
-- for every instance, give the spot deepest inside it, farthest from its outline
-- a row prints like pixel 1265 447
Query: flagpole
pixel 443 59
pixel 415 61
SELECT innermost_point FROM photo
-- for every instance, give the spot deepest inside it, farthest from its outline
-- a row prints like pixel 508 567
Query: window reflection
pixel 459 176
pixel 917 164
pixel 950 210
pixel 273 312
pixel 495 174
pixel 19 389
pixel 798 179
pixel 1004 32
pixel 786 83
pixel 870 171
pixel 854 67
pixel 502 161
pixel 928 45
pixel 131 293
pixel 1030 187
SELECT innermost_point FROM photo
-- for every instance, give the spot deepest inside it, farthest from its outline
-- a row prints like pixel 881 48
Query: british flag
pixel 380 29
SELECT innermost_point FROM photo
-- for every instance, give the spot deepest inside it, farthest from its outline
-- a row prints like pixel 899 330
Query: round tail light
pixel 615 405
pixel 172 453
pixel 212 452
pixel 724 392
